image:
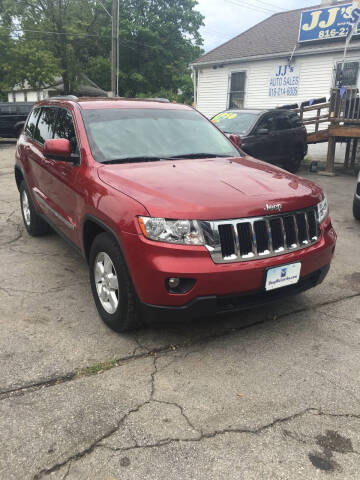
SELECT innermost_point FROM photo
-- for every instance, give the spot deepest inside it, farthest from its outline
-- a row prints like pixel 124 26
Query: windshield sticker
pixel 227 115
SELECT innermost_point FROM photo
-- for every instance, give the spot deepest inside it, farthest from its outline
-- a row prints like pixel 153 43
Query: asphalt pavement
pixel 273 393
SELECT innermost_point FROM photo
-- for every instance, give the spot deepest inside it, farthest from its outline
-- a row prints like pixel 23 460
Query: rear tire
pixel 34 224
pixel 356 210
pixel 294 163
pixel 112 289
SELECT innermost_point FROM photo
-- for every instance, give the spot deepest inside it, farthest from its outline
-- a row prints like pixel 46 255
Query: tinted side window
pixel 295 121
pixel 45 127
pixel 65 128
pixel 268 122
pixel 283 122
pixel 31 123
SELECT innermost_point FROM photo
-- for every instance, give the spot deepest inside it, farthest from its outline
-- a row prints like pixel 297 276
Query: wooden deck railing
pixel 320 117
pixel 344 106
pixel 342 116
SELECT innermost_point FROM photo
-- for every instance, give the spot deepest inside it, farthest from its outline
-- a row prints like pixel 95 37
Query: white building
pixel 27 93
pixel 289 58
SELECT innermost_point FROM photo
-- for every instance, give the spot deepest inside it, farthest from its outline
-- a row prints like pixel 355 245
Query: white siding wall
pixel 316 77
pixel 31 95
pixel 20 97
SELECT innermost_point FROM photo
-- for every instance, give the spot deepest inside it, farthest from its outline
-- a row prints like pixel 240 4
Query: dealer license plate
pixel 283 276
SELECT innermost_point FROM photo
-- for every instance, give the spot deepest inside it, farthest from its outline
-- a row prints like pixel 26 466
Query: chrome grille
pixel 253 238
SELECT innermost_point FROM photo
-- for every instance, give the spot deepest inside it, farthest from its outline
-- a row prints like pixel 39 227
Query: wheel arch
pixel 91 228
pixel 19 176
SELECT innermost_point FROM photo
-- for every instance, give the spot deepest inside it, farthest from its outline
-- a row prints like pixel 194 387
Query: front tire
pixel 34 224
pixel 356 210
pixel 294 163
pixel 111 286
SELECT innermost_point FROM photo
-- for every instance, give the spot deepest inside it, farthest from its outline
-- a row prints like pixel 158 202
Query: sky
pixel 224 19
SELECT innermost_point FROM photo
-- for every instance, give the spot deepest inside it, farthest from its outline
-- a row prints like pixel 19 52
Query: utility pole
pixel 114 46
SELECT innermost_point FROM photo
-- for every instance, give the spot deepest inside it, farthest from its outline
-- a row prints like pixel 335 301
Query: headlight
pixel 323 209
pixel 184 232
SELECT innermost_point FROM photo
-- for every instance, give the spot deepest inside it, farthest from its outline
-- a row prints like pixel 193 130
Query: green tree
pixel 158 39
pixel 6 44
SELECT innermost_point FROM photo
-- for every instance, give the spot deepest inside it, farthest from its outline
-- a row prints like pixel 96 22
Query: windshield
pixel 116 134
pixel 235 122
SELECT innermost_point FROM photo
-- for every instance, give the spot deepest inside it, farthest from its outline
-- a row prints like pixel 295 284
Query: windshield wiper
pixel 133 160
pixel 199 155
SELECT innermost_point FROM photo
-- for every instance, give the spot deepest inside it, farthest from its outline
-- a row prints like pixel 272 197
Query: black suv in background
pixel 275 136
pixel 13 117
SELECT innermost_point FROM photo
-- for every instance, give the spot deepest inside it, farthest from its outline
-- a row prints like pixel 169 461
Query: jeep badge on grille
pixel 277 207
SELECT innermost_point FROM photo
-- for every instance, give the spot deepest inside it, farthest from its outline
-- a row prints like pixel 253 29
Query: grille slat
pixel 245 238
pixel 277 234
pixel 302 228
pixel 227 240
pixel 313 230
pixel 290 232
pixel 249 239
pixel 262 237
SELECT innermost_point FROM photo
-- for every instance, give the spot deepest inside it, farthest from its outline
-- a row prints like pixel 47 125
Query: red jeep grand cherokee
pixel 170 215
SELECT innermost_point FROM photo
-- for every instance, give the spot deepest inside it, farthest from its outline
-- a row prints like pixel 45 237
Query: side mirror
pixel 236 140
pixel 262 131
pixel 58 149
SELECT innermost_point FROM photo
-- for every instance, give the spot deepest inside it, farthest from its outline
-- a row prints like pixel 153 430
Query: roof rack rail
pixel 162 100
pixel 65 97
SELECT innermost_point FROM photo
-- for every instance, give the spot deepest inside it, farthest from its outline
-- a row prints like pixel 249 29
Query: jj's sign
pixel 284 81
pixel 326 23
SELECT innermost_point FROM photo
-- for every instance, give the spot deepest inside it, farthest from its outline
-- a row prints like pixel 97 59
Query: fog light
pixel 173 282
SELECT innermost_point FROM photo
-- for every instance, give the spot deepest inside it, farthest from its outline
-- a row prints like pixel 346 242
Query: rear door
pixel 29 151
pixel 286 135
pixel 37 134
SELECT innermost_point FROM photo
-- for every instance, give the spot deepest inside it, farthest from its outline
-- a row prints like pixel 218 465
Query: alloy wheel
pixel 106 282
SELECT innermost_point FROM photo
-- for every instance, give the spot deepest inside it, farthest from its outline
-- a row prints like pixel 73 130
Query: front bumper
pixel 214 305
pixel 150 265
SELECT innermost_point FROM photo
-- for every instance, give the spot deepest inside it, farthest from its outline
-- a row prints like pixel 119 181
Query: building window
pixel 349 76
pixel 237 90
pixel 14 97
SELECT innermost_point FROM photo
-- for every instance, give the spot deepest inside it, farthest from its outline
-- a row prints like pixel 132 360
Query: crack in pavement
pixel 165 349
pixel 67 472
pixel 103 437
pixel 44 292
pixel 97 442
pixel 89 449
pixel 167 441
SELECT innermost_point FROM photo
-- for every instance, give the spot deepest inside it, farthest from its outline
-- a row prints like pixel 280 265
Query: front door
pixel 263 141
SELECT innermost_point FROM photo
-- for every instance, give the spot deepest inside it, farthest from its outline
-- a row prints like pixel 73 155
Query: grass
pixel 97 368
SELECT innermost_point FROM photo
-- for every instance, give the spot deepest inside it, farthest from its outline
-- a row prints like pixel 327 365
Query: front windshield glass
pixel 116 134
pixel 235 122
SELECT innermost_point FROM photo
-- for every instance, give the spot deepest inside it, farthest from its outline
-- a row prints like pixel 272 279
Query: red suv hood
pixel 209 189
